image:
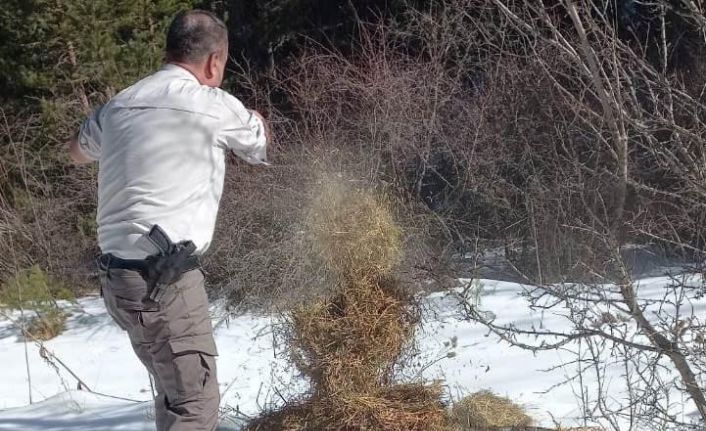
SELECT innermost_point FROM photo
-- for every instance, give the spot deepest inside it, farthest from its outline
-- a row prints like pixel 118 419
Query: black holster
pixel 167 266
pixel 158 270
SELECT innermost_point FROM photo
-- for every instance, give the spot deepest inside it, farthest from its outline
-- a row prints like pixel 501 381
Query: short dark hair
pixel 195 34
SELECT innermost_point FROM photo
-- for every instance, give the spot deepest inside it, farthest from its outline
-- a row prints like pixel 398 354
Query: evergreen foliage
pixel 55 48
pixel 37 292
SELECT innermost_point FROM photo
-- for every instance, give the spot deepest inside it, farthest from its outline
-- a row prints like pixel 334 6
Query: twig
pixel 46 353
pixel 29 375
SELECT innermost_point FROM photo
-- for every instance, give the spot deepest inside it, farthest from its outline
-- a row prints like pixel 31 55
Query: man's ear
pixel 211 65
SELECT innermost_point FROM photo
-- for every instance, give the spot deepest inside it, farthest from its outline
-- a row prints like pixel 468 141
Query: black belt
pixel 109 261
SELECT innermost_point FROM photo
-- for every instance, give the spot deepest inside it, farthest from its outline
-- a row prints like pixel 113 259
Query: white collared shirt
pixel 161 147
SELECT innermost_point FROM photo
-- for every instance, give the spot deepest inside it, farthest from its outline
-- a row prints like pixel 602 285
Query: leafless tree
pixel 630 158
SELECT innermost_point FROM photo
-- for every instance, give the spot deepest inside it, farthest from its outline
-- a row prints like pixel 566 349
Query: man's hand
pixel 268 134
pixel 75 151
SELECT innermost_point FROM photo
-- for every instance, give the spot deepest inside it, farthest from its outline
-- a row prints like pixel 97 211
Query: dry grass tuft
pixel 47 326
pixel 348 344
pixel 484 410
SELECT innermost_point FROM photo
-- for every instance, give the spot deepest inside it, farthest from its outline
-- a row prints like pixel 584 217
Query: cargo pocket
pixel 122 293
pixel 189 314
pixel 194 366
pixel 128 288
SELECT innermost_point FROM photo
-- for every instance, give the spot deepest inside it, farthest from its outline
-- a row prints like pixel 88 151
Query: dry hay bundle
pixel 484 410
pixel 410 407
pixel 348 345
pixel 396 408
pixel 353 341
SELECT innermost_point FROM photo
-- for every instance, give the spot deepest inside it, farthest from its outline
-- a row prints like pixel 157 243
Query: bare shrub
pixel 258 256
pixel 617 161
pixel 47 211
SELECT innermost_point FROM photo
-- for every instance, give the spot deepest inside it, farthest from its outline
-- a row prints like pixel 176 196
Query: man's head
pixel 198 41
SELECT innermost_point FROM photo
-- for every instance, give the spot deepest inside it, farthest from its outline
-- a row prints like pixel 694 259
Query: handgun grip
pixel 160 239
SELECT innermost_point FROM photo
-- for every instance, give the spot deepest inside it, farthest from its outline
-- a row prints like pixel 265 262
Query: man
pixel 161 146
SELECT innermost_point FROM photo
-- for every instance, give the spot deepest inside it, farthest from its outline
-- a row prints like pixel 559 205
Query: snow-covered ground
pixel 251 367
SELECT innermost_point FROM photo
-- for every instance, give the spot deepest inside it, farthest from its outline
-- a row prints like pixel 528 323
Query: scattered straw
pixel 349 344
pixel 353 231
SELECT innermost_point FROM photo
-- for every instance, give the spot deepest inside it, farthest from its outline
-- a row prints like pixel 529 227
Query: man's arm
pixel 85 145
pixel 75 151
pixel 243 131
pixel 268 133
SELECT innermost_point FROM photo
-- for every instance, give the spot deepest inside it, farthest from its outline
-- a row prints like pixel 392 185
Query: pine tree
pixel 62 58
pixel 75 48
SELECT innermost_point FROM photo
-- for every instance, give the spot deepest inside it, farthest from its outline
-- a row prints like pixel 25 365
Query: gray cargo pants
pixel 175 343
